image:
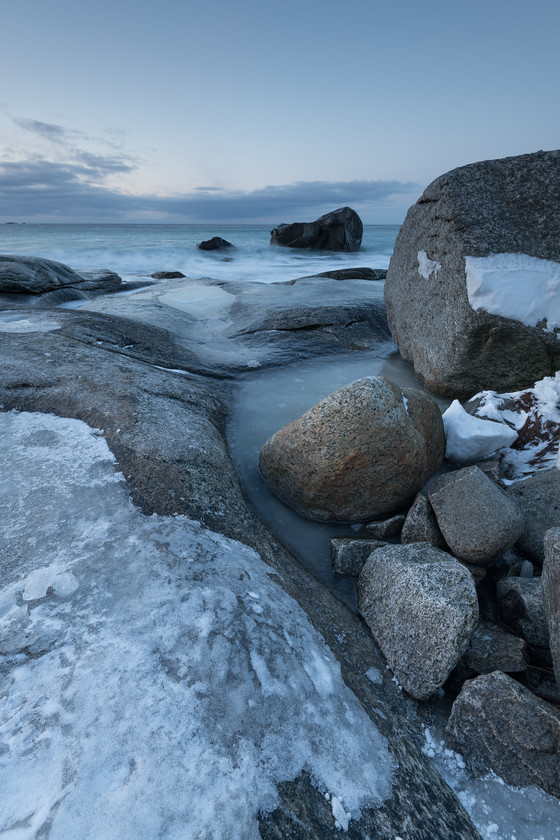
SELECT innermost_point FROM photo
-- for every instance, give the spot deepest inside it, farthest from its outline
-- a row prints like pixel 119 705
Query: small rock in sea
pixel 522 608
pixel 340 230
pixel 214 244
pixel 167 275
pixel 421 607
pixel 476 517
pixel 362 452
pixel 550 584
pixel 348 556
pixel 496 723
pixel 387 527
pixel 421 525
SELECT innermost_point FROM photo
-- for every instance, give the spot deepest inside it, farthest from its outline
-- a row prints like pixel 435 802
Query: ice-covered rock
pixel 421 606
pixel 469 439
pixel 471 289
pixel 476 517
pixel 363 451
pixel 495 722
pixel 339 230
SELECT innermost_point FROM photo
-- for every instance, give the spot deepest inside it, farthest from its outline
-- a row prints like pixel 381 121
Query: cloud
pixel 48 131
pixel 45 190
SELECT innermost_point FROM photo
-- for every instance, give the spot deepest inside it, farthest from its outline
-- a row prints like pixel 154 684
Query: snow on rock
pixel 515 286
pixel 469 439
pixel 427 267
pixel 148 686
pixel 535 415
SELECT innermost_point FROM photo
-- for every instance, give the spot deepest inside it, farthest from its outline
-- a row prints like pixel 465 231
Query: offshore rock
pixel 509 208
pixel 340 230
pixel 550 583
pixel 476 517
pixel 215 244
pixel 167 275
pixel 495 722
pixel 362 452
pixel 421 606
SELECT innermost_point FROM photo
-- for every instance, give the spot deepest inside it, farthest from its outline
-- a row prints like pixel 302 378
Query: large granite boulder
pixel 340 230
pixel 468 287
pixel 421 606
pixel 35 275
pixel 497 723
pixel 361 452
pixel 476 517
pixel 550 583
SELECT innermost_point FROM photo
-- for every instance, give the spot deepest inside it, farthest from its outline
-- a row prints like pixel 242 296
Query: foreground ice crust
pixel 155 681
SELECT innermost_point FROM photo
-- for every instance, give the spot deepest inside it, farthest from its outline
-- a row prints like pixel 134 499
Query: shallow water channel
pixel 263 402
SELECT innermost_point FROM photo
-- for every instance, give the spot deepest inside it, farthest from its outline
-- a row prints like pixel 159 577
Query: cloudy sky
pixel 124 110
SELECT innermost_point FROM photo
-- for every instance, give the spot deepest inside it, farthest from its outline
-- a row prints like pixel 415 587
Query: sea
pixel 136 251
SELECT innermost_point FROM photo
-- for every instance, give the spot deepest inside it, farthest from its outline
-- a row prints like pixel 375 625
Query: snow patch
pixel 516 286
pixel 469 439
pixel 152 700
pixel 427 267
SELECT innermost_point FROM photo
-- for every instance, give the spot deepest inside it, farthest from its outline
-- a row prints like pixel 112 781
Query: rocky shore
pixel 457 564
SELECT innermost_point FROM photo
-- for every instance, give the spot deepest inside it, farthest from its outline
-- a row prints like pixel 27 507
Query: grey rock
pixel 493 649
pixel 340 230
pixel 351 274
pixel 421 607
pixel 167 275
pixel 522 608
pixel 34 276
pixel 348 556
pixel 495 722
pixel 491 207
pixel 215 244
pixel 421 525
pixel 539 498
pixel 387 527
pixel 477 519
pixel 363 451
pixel 166 431
pixel 478 572
pixel 550 584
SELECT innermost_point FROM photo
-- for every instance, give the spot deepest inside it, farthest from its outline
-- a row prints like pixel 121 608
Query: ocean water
pixel 135 251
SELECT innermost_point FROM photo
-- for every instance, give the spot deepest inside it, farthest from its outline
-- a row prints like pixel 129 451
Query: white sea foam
pixel 157 681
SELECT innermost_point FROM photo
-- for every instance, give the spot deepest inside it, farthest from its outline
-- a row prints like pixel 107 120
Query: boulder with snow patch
pixel 496 723
pixel 550 583
pixel 477 519
pixel 339 230
pixel 362 452
pixel 539 498
pixel 469 439
pixel 421 607
pixel 470 289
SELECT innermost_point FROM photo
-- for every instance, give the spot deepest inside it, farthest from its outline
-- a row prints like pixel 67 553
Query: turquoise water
pixel 136 251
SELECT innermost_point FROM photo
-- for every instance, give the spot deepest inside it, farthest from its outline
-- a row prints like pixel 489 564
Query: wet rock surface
pixel 361 452
pixel 421 607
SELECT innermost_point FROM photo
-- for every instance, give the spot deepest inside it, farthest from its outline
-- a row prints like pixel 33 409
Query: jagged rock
pixel 550 584
pixel 421 525
pixel 493 649
pixel 215 244
pixel 495 722
pixel 348 556
pixel 167 275
pixel 477 519
pixel 539 498
pixel 387 527
pixel 457 289
pixel 421 607
pixel 361 452
pixel 34 276
pixel 340 230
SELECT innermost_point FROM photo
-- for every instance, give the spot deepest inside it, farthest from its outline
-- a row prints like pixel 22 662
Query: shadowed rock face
pixel 340 230
pixel 34 276
pixel 509 206
pixel 361 452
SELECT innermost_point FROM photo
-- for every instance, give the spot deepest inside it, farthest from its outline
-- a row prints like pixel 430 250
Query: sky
pixel 129 111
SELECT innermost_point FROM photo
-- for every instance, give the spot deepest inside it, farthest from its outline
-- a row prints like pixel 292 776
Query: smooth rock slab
pixel 497 723
pixel 363 451
pixel 421 607
pixel 477 519
pixel 550 583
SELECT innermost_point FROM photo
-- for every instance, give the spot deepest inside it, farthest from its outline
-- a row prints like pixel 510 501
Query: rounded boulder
pixel 361 452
